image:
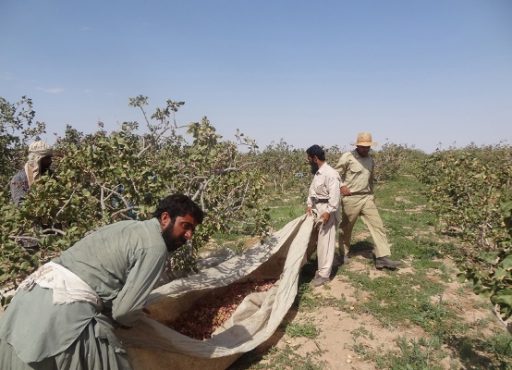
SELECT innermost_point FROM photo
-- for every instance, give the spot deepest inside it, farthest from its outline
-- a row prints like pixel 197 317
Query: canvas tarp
pixel 152 345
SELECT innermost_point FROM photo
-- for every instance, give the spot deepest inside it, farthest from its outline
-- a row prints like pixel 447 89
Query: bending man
pixel 63 315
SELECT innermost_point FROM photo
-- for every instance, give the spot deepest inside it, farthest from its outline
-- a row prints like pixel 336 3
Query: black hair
pixel 316 151
pixel 179 205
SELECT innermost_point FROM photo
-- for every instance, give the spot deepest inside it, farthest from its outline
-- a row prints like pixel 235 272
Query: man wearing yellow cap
pixel 356 171
pixel 39 162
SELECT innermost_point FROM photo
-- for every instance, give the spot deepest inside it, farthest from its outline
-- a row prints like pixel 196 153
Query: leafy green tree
pixel 393 160
pixel 100 178
pixel 17 127
pixel 285 168
pixel 470 189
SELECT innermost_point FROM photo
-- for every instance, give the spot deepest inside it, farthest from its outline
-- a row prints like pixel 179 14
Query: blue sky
pixel 415 72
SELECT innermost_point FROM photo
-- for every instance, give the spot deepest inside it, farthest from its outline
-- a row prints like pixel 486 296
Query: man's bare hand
pixel 345 191
pixel 325 217
pixel 308 211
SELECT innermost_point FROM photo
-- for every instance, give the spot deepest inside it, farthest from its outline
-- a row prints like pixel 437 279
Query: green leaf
pixel 502 299
pixel 507 262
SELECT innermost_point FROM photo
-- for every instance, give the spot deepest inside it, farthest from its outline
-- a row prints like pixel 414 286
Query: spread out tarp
pixel 151 345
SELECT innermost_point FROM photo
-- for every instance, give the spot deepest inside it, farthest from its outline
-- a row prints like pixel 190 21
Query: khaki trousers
pixel 363 205
pixel 326 244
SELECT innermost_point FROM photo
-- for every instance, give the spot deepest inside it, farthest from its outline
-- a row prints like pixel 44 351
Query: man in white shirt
pixel 323 199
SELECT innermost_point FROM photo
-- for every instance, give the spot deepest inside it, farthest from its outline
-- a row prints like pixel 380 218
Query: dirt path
pixel 350 339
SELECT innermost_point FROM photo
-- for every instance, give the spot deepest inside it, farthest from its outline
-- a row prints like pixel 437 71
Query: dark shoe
pixel 387 263
pixel 340 260
pixel 319 281
pixel 337 261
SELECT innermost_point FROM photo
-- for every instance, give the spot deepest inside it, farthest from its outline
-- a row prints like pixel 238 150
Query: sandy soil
pixel 345 333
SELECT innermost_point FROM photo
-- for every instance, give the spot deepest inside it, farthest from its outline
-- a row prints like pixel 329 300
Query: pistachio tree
pixel 17 127
pixel 100 178
pixel 470 189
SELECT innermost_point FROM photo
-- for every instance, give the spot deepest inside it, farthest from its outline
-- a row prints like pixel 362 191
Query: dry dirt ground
pixel 344 334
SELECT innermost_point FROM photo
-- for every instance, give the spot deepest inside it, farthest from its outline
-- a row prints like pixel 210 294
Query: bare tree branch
pixel 126 203
pixel 121 212
pixel 102 199
pixel 54 230
pixel 22 237
pixel 65 204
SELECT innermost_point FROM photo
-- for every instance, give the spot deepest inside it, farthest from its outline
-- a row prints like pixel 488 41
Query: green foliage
pixel 414 304
pixel 306 330
pixel 413 354
pixel 422 295
pixel 282 211
pixel 16 128
pixel 284 359
pixel 285 167
pixel 395 159
pixel 333 154
pixel 470 190
pixel 501 345
pixel 102 177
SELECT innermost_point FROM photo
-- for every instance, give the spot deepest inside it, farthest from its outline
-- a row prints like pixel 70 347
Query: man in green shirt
pixel 357 199
pixel 63 315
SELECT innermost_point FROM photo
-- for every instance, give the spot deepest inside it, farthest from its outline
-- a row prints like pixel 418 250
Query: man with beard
pixel 63 315
pixel 323 199
pixel 38 163
pixel 356 170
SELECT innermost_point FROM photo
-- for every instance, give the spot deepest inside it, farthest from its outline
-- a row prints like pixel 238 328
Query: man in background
pixel 356 169
pixel 323 199
pixel 38 163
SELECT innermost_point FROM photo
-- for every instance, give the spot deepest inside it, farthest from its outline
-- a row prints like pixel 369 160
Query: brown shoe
pixel 386 263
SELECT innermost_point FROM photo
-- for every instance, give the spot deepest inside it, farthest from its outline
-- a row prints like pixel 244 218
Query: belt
pixel 316 200
pixel 360 193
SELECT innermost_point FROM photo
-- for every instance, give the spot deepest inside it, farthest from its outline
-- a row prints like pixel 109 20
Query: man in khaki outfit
pixel 356 171
pixel 324 198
